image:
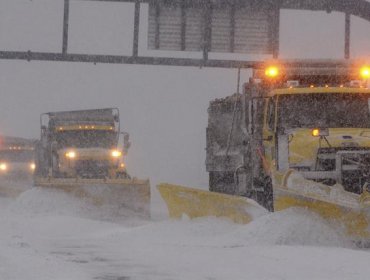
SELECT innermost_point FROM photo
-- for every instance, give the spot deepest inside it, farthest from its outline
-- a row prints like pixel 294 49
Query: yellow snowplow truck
pixel 296 137
pixel 82 152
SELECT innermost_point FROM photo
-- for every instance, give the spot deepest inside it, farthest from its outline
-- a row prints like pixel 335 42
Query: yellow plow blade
pixel 133 194
pixel 348 210
pixel 196 203
pixel 351 211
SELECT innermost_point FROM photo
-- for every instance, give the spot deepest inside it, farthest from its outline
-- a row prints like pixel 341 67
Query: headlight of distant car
pixel 3 166
pixel 32 166
pixel 116 153
pixel 71 154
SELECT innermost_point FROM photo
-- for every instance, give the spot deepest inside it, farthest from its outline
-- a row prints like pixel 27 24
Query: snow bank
pixel 41 201
pixel 294 226
pixel 43 239
pixel 292 244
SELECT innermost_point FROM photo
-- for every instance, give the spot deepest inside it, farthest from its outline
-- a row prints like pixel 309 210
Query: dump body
pixel 235 126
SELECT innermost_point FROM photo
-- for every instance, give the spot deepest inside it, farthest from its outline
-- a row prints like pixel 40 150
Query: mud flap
pixel 196 203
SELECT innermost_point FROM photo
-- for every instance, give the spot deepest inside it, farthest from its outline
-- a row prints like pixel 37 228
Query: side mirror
pixel 43 130
pixel 281 130
pixel 126 141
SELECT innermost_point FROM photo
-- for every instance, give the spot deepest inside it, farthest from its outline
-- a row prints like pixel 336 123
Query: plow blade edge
pixel 349 210
pixel 196 203
pixel 132 194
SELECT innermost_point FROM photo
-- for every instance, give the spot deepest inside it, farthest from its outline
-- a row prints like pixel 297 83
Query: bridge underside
pixel 358 8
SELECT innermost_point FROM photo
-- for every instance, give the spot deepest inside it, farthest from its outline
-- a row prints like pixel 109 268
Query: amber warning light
pixel 272 71
pixel 322 132
pixel 365 72
pixel 316 132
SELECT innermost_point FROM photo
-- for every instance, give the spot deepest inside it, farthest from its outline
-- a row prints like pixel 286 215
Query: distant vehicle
pixel 17 157
pixel 81 151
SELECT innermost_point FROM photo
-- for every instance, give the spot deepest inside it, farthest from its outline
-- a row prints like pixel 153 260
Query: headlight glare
pixel 3 166
pixel 71 154
pixel 116 153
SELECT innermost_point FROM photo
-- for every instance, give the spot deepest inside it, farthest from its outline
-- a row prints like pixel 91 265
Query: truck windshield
pixel 331 110
pixel 86 139
pixel 17 155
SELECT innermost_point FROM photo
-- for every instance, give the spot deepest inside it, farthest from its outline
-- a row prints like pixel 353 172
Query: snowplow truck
pixel 298 136
pixel 82 152
pixel 17 158
pixel 17 164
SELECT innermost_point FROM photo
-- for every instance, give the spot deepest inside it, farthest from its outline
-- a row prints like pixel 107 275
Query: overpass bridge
pixel 205 26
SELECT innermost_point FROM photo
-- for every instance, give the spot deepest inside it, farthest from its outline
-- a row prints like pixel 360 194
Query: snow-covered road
pixel 48 235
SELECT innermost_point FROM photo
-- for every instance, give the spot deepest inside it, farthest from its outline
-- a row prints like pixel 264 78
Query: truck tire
pixel 222 182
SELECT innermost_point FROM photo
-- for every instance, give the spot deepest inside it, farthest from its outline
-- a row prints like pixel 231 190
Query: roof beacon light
pixel 272 71
pixel 365 72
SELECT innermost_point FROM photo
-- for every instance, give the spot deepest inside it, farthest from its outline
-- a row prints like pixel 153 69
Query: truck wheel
pixel 222 182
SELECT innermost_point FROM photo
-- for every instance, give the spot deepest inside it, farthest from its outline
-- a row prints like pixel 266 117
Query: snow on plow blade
pixel 132 194
pixel 348 210
pixel 196 203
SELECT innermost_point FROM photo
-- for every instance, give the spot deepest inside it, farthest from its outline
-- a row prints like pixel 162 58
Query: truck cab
pixel 17 158
pixel 82 144
pixel 320 129
pixel 314 121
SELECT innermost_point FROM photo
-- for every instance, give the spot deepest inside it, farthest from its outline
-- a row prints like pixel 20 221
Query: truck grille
pixel 92 168
pixel 354 166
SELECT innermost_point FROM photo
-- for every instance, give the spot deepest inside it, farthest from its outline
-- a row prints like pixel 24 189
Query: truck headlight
pixel 116 153
pixel 71 154
pixel 3 166
pixel 32 166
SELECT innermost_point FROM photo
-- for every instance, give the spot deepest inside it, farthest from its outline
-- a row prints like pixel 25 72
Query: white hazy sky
pixel 163 108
